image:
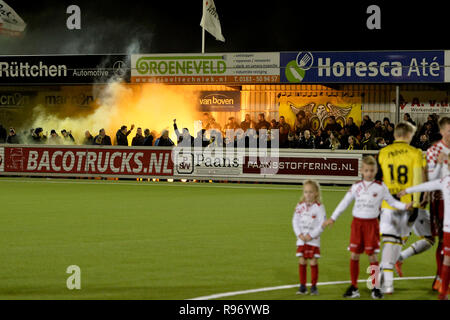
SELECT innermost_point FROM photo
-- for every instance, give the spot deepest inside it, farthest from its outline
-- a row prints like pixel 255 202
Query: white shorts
pixel 422 226
pixel 395 223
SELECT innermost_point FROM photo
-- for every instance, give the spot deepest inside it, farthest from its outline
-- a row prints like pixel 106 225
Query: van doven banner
pixel 376 67
pixel 213 101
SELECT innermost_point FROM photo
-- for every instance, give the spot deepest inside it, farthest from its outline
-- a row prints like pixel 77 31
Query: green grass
pixel 147 240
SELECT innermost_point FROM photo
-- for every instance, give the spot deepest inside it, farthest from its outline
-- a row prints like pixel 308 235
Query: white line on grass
pixel 290 286
pixel 167 184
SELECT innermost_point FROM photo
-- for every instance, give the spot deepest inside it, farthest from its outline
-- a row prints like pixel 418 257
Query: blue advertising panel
pixel 360 67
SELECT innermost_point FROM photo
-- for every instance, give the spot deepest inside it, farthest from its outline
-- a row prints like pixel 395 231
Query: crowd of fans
pixel 369 135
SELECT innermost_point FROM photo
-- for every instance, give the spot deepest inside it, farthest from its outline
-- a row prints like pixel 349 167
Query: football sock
pixel 302 273
pixel 354 272
pixel 390 255
pixel 445 270
pixel 416 248
pixel 314 274
pixel 439 258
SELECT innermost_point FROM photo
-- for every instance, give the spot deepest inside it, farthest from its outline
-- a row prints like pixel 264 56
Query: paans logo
pixel 296 69
pixel 319 115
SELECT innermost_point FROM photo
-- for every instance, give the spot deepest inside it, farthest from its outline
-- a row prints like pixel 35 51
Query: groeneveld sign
pixel 83 161
pixel 261 67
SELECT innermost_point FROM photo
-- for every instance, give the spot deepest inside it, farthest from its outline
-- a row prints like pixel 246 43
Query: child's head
pixel 311 191
pixel 369 168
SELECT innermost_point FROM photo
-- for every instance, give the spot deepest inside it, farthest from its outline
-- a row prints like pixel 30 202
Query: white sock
pixel 389 257
pixel 417 247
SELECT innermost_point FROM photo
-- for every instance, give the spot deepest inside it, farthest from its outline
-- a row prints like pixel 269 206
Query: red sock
pixel 445 273
pixel 302 273
pixel 375 274
pixel 354 272
pixel 314 274
pixel 439 259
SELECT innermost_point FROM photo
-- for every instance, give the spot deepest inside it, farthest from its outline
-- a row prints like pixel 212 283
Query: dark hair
pixel 444 121
pixel 123 127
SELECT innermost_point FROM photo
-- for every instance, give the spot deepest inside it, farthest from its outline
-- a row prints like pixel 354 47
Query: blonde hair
pixel 316 186
pixel 403 129
pixel 369 160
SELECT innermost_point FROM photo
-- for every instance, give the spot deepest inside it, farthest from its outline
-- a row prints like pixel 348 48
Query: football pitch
pixel 160 240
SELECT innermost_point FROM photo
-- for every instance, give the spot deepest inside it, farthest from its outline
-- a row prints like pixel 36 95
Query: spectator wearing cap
pixel 54 138
pixel 38 136
pixel 138 139
pixel 122 135
pixel 67 136
pixel 148 138
pixel 102 139
pixel 368 143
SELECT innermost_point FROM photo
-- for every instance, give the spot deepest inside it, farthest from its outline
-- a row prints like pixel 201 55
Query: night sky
pixel 252 26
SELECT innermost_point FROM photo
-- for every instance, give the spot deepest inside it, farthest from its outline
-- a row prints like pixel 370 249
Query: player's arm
pixel 349 197
pixel 322 216
pixel 392 201
pixel 427 186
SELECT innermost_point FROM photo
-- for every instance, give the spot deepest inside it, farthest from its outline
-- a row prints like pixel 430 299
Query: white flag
pixel 10 22
pixel 210 20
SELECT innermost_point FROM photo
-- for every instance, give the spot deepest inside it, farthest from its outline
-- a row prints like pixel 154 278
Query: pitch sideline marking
pixel 169 184
pixel 235 293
